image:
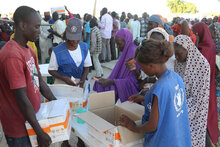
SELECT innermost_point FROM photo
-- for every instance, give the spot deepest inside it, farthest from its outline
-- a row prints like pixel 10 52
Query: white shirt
pixel 58 27
pixel 135 29
pixel 170 63
pixel 75 54
pixel 106 26
pixel 44 30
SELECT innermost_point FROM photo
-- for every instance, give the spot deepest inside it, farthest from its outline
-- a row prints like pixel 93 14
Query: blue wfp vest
pixel 67 66
pixel 173 129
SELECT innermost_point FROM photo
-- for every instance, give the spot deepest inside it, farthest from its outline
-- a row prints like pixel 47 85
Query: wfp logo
pixel 178 98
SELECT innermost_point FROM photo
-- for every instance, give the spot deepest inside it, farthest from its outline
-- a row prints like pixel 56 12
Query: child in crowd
pixel 96 47
pixel 165 122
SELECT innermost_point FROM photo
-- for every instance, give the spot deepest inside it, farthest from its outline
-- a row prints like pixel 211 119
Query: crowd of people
pixel 169 67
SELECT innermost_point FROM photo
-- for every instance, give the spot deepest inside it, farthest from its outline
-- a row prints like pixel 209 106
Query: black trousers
pixel 112 46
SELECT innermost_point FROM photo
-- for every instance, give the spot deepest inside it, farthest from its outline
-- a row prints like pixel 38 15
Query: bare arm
pixel 149 126
pixel 56 34
pixel 44 89
pixel 29 114
pixel 93 42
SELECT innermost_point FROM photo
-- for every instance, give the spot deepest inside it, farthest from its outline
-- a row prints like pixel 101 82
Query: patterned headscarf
pixel 159 30
pixel 196 76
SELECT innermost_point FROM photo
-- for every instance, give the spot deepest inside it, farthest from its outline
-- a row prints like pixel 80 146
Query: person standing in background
pixel 144 22
pixel 130 20
pixel 45 38
pixel 122 21
pixel 87 29
pixel 112 41
pixel 135 27
pixel 106 26
pixel 58 29
pixel 215 32
pixel 96 47
pixel 118 20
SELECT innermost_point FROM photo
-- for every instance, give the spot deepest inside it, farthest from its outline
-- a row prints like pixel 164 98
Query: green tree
pixel 180 6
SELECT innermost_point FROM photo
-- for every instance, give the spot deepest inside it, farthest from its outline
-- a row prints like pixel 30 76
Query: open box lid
pixel 133 108
pixel 101 100
pixel 66 91
pixel 95 121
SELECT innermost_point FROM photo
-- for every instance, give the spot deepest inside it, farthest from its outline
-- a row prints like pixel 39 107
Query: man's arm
pixel 93 42
pixel 55 33
pixel 29 114
pixel 70 14
pixel 44 89
pixel 102 24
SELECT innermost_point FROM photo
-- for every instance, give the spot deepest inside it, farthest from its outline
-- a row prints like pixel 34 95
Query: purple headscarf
pixel 126 83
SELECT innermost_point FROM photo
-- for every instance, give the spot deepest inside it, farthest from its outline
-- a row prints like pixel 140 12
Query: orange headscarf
pixel 177 28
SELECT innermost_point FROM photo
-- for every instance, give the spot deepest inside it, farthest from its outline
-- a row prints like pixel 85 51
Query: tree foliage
pixel 180 6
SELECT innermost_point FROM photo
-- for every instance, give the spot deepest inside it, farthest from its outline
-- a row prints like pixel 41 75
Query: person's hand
pixel 136 42
pixel 81 84
pixel 68 81
pixel 50 36
pixel 136 98
pixel 44 140
pixel 130 64
pixel 65 7
pixel 127 122
pixel 105 82
pixel 50 30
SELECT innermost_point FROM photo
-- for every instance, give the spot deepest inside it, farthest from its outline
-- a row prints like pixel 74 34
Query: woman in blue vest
pixel 70 61
pixel 165 122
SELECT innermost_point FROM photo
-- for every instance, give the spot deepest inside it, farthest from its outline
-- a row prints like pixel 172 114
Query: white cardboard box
pixel 72 93
pixel 54 118
pixel 103 119
pixel 59 10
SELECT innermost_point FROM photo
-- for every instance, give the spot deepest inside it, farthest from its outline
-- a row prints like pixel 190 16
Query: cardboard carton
pixel 54 118
pixel 103 119
pixel 72 93
pixel 59 10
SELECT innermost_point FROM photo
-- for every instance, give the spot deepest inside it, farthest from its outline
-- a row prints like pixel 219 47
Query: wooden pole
pixel 11 21
pixel 94 10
